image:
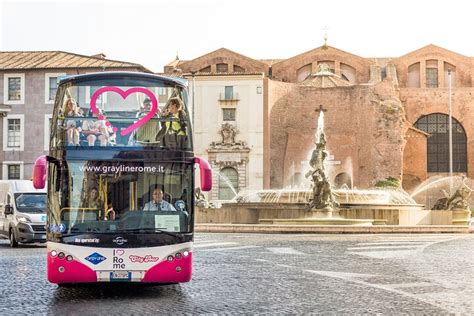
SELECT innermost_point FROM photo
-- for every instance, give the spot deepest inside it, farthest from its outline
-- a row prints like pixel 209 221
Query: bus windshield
pixel 117 197
pixel 122 113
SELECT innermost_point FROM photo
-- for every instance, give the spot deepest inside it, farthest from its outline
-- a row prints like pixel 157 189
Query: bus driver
pixel 158 204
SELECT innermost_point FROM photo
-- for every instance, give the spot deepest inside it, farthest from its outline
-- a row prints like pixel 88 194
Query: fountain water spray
pixel 320 126
pixel 227 181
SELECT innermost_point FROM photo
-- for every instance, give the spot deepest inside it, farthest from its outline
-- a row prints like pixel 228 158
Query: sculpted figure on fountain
pixel 323 197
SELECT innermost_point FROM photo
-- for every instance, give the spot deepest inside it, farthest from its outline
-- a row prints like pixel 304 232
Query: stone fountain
pixel 321 205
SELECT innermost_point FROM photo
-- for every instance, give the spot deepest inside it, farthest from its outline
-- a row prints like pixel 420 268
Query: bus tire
pixel 13 242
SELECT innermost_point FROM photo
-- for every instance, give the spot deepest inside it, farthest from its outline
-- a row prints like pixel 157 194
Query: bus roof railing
pixel 120 75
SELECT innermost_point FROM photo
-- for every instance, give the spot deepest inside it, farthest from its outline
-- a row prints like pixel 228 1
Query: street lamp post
pixel 194 87
pixel 450 133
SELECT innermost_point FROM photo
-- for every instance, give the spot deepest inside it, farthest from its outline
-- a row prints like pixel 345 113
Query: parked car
pixel 22 212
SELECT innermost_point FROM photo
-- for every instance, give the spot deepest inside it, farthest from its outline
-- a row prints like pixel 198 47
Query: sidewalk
pixel 329 229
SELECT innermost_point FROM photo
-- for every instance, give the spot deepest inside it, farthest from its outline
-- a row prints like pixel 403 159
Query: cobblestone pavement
pixel 268 274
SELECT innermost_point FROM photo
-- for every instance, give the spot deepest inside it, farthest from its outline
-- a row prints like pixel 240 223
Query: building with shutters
pixel 29 81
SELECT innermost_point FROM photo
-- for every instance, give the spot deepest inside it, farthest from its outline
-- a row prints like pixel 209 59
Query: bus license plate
pixel 120 276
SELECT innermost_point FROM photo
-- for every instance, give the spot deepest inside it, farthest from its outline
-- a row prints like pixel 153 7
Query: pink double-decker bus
pixel 120 180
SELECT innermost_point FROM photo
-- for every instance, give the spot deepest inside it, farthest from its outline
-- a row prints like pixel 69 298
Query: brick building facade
pixel 383 116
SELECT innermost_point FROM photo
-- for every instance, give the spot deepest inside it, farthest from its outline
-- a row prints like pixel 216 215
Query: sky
pixel 152 33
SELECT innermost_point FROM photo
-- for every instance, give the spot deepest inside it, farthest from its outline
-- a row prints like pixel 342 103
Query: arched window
pixel 438 143
pixel 222 67
pixel 342 180
pixel 330 64
pixel 448 68
pixel 238 69
pixel 413 76
pixel 303 72
pixel 296 180
pixel 348 73
pixel 432 73
pixel 205 69
pixel 228 183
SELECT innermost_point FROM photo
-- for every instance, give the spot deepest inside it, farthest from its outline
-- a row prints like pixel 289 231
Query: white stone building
pixel 228 115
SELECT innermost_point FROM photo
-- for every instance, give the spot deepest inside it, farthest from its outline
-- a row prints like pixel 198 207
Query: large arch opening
pixel 303 73
pixel 437 125
pixel 413 80
pixel 343 180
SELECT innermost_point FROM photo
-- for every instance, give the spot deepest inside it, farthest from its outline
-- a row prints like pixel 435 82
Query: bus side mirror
pixel 206 173
pixel 39 172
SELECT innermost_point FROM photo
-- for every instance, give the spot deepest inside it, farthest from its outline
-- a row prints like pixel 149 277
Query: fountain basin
pixel 320 217
pixel 342 196
pixel 319 221
pixel 461 217
pixel 357 207
pixel 255 213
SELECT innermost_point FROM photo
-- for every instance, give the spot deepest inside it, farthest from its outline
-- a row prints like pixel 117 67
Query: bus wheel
pixel 13 242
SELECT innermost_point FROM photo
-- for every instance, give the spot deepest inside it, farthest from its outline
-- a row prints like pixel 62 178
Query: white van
pixel 22 212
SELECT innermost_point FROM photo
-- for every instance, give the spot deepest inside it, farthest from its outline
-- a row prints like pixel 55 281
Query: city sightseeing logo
pixel 145 259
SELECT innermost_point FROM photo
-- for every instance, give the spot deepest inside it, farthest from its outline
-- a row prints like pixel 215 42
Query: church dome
pixel 324 78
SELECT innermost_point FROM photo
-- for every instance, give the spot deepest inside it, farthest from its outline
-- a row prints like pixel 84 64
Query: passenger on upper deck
pixel 145 109
pixel 173 131
pixel 72 109
pixel 95 129
pixel 145 134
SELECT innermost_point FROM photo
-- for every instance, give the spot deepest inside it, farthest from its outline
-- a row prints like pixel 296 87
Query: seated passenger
pixel 145 108
pixel 173 131
pixel 145 134
pixel 95 129
pixel 93 201
pixel 72 110
pixel 158 204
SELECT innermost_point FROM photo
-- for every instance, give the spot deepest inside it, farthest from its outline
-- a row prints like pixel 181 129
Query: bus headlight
pixel 61 255
pixel 178 255
pixel 186 253
pixel 61 269
pixel 178 269
pixel 170 258
pixel 69 258
pixel 54 253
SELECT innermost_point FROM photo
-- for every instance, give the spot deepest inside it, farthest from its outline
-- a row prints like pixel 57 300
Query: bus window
pixel 142 196
pixel 129 114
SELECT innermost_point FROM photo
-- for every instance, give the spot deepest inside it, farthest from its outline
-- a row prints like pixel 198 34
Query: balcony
pixel 228 98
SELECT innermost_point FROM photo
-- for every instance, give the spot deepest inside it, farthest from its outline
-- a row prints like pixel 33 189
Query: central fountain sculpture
pixel 323 198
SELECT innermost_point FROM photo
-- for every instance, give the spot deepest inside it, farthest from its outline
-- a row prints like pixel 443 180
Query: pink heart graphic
pixel 124 95
pixel 119 252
